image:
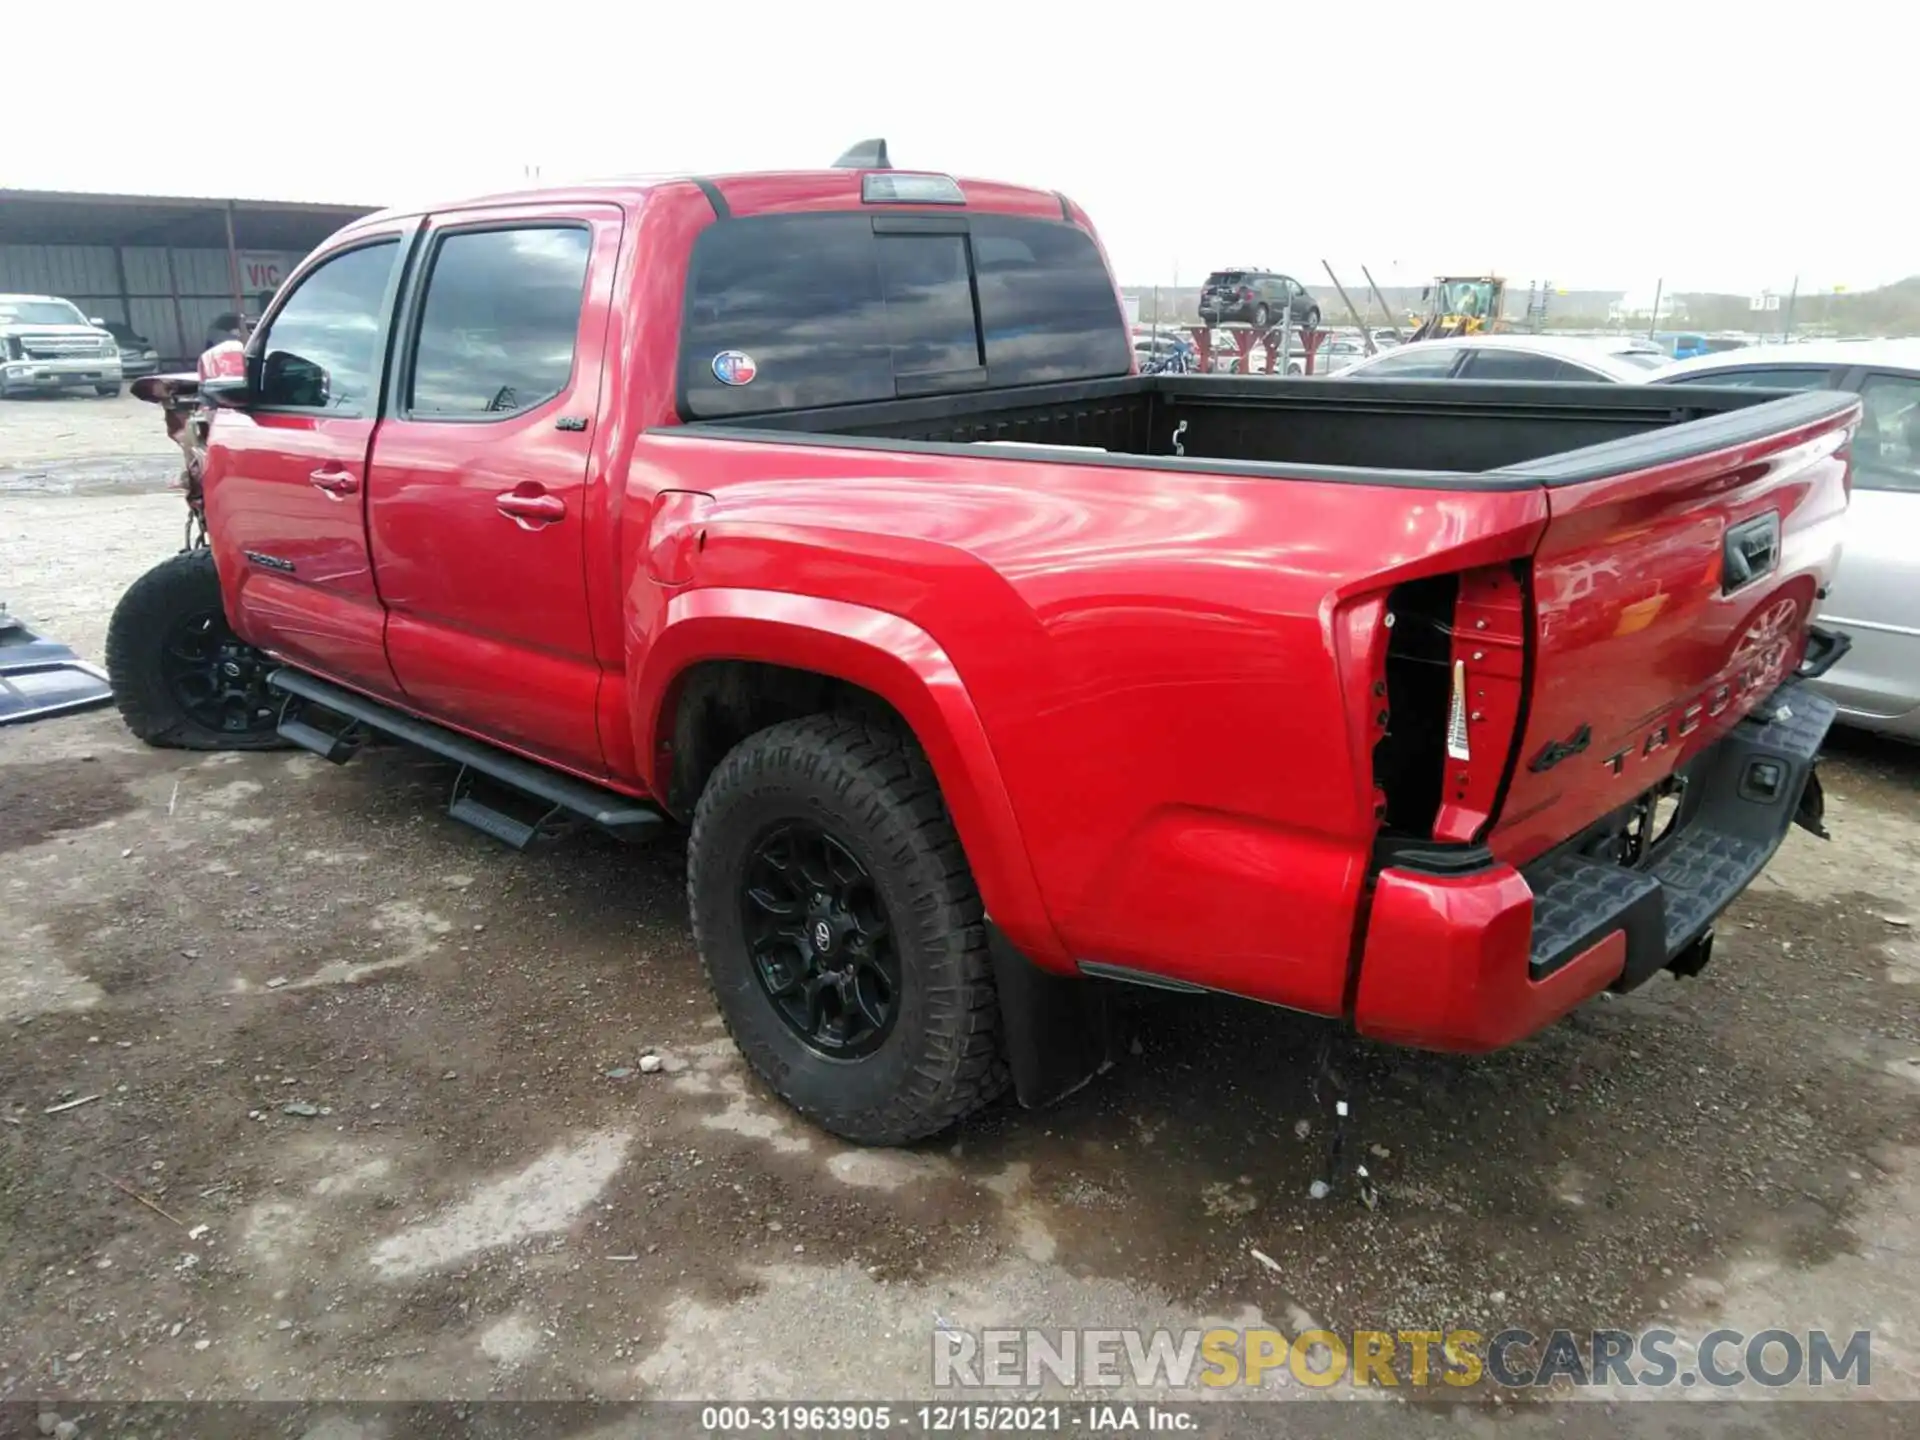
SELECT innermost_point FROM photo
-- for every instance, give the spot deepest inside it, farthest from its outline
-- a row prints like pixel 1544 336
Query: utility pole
pixel 1659 287
pixel 1392 324
pixel 1786 328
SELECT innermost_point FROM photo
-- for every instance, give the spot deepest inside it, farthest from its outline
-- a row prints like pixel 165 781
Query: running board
pixel 560 797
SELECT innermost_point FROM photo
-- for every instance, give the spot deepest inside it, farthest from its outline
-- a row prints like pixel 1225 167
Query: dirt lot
pixel 476 1192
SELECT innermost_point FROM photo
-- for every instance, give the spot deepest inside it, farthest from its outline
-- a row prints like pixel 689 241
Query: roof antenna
pixel 867 155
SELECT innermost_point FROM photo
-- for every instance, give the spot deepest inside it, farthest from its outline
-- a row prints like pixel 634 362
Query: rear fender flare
pixel 896 660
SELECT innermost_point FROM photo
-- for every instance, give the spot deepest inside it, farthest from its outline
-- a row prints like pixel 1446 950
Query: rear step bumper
pixel 1476 961
pixel 554 797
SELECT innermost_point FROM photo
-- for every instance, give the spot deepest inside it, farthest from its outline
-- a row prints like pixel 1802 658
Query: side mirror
pixel 96 322
pixel 293 380
pixel 227 392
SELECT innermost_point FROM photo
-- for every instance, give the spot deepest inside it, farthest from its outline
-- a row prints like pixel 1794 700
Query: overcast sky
pixel 1604 146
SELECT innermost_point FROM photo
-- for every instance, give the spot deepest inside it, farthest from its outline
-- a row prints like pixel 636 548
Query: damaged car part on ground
pixel 41 677
pixel 961 599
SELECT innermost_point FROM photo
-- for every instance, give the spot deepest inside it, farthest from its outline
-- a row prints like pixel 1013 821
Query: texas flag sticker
pixel 734 367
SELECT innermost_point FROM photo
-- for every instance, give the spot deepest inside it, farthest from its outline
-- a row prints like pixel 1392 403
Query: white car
pixel 1627 360
pixel 1337 355
pixel 1875 598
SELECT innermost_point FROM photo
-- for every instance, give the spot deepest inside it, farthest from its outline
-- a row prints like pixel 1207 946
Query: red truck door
pixel 285 479
pixel 478 482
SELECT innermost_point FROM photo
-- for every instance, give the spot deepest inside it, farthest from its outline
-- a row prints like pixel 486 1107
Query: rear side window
pixel 1413 362
pixel 498 324
pixel 1763 377
pixel 1493 364
pixel 790 312
pixel 1886 450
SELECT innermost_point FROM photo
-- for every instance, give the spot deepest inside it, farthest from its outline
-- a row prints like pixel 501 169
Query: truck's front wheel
pixel 841 930
pixel 181 677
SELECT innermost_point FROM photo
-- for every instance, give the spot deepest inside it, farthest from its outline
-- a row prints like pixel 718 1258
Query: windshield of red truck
pixel 792 311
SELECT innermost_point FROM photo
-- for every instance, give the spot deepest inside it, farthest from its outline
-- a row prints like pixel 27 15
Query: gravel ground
pixel 379 1080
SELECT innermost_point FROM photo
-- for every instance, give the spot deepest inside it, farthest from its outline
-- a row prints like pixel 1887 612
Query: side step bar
pixel 564 798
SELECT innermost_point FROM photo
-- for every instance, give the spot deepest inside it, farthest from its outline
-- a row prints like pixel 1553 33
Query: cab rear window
pixel 794 311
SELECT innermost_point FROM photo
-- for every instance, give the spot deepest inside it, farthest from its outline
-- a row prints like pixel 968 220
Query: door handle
pixel 335 483
pixel 531 510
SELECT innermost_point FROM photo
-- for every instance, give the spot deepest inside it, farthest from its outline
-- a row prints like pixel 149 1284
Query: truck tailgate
pixel 1671 592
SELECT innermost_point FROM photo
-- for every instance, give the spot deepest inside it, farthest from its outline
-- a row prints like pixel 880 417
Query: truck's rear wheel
pixel 181 677
pixel 841 930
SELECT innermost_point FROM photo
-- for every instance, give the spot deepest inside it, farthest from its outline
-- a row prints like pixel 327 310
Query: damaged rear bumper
pixel 1487 954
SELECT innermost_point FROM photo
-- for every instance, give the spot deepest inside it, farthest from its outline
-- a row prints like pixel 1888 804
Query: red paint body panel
pixel 1151 696
pixel 1445 966
pixel 489 609
pixel 1152 656
pixel 1632 627
pixel 897 661
pixel 261 500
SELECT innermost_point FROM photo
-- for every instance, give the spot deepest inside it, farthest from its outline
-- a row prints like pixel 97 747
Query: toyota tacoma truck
pixel 822 514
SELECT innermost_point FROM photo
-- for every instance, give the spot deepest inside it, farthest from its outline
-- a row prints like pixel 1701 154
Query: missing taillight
pixel 1456 667
pixel 1410 759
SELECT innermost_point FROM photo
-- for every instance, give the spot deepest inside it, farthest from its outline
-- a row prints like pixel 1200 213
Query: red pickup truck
pixel 823 513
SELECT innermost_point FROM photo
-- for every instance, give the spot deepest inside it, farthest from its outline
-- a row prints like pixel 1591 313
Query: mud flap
pixel 39 677
pixel 1058 1029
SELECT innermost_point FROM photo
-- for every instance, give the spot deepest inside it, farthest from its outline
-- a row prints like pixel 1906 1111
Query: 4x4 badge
pixel 1554 751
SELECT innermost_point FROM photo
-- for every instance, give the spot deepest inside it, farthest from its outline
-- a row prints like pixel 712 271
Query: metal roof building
pixel 165 265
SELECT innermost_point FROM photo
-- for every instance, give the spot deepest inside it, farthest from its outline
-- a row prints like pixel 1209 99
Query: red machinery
pixel 1271 340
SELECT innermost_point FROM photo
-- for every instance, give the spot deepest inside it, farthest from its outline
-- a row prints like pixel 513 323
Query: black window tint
pixel 800 296
pixel 928 288
pixel 1414 362
pixel 1047 303
pixel 1766 377
pixel 1519 365
pixel 319 353
pixel 498 324
pixel 829 313
pixel 1567 370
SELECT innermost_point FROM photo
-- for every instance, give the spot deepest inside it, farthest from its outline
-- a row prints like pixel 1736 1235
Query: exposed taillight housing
pixel 1246 292
pixel 1456 699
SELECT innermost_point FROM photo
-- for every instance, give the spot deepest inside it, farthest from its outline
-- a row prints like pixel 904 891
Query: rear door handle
pixel 531 510
pixel 336 483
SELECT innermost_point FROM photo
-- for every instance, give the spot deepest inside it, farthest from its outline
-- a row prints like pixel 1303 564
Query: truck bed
pixel 1455 434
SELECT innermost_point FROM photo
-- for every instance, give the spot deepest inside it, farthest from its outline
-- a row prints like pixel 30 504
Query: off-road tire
pixel 186 584
pixel 871 788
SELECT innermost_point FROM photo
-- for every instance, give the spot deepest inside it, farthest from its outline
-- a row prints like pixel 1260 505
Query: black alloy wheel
pixel 822 947
pixel 217 679
pixel 182 679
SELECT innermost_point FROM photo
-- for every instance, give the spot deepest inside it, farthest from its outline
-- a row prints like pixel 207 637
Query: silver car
pixel 1876 596
pixel 1624 360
